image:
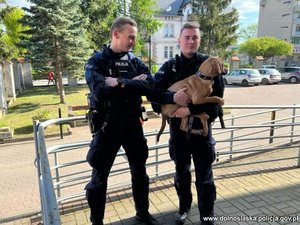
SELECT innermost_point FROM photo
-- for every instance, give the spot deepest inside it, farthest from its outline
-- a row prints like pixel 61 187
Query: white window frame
pixel 169 30
pixel 168 52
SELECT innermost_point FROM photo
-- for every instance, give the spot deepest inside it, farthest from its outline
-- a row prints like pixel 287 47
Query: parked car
pixel 269 76
pixel 290 74
pixel 268 66
pixel 243 76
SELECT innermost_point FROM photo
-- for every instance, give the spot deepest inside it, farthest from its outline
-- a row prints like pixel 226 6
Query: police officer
pixel 183 147
pixel 117 79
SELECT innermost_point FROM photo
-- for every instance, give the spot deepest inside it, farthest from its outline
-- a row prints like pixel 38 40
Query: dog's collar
pixel 203 76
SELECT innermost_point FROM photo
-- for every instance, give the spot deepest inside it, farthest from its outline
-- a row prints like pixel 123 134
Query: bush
pixel 42 115
pixel 246 66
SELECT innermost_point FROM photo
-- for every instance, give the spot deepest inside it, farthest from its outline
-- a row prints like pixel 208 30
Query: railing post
pixel 156 158
pixel 57 173
pixel 37 160
pixel 273 116
pixel 293 126
pixel 50 209
pixel 231 138
pixel 298 164
pixel 60 125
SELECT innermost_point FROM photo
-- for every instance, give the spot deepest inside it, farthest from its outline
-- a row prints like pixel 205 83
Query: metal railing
pixel 250 131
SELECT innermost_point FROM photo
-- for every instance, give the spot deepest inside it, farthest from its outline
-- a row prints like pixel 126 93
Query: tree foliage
pixel 146 22
pixel 101 14
pixel 247 32
pixel 11 33
pixel 266 47
pixel 58 38
pixel 218 26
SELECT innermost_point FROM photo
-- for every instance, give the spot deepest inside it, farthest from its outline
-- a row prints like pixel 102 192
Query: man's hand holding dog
pixel 181 98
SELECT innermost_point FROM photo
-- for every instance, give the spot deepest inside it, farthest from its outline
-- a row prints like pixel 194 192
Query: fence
pixel 250 130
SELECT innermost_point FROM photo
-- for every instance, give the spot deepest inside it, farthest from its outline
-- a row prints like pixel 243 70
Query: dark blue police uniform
pixel 182 147
pixel 117 124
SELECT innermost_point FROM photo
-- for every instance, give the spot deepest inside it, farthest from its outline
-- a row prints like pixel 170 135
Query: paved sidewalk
pixel 257 198
pixel 247 191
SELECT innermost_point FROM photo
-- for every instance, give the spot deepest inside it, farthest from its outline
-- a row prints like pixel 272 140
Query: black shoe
pixel 97 223
pixel 147 219
pixel 181 217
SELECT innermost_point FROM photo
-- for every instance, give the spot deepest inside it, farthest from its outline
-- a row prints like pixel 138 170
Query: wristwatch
pixel 120 81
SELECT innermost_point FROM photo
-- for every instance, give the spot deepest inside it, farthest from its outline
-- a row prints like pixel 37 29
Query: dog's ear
pixel 216 67
pixel 223 69
pixel 220 66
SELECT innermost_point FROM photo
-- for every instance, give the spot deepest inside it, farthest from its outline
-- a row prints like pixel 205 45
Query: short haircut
pixel 189 26
pixel 120 22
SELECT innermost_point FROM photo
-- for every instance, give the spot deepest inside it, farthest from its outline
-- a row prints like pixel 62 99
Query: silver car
pixel 290 74
pixel 243 77
pixel 270 76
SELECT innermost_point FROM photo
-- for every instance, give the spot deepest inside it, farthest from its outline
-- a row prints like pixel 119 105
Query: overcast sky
pixel 248 9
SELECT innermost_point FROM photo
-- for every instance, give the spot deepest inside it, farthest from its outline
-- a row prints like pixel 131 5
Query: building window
pixel 298 28
pixel 169 17
pixel 296 40
pixel 168 52
pixel 171 52
pixel 169 30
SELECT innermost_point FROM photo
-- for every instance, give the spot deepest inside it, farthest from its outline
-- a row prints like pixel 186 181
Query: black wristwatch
pixel 120 81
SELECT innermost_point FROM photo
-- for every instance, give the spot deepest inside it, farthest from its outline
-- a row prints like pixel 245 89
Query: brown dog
pixel 198 89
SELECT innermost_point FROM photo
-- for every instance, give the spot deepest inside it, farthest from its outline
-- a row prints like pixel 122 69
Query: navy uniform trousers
pixel 201 149
pixel 103 149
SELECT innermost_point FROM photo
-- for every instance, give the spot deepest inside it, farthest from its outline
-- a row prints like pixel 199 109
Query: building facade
pixel 281 19
pixel 164 42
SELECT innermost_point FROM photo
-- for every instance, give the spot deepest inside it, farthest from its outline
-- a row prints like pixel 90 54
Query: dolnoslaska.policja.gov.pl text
pixel 254 218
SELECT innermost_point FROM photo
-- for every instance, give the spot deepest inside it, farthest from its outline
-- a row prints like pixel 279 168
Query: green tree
pixel 11 33
pixel 58 38
pixel 100 15
pixel 146 22
pixel 247 32
pixel 266 47
pixel 218 26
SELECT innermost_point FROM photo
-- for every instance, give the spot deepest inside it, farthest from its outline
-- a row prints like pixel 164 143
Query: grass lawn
pixel 40 103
